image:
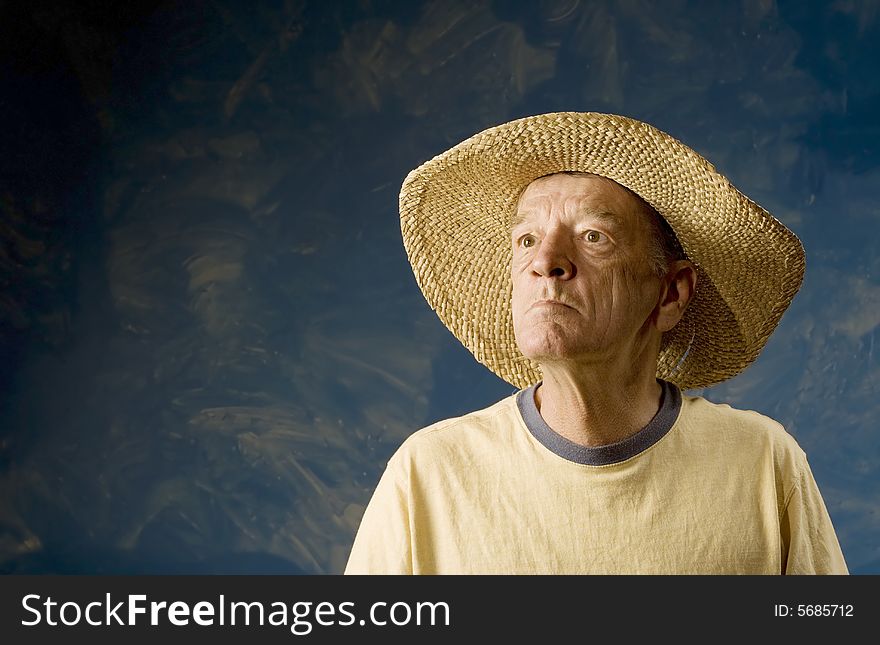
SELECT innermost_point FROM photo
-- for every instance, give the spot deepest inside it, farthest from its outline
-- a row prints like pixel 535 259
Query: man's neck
pixel 596 407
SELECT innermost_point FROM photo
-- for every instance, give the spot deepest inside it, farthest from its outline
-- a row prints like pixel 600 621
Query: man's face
pixel 583 285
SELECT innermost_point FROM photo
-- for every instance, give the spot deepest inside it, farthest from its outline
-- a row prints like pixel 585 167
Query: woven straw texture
pixel 455 211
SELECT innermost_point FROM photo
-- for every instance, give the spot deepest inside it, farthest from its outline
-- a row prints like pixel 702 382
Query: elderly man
pixel 601 267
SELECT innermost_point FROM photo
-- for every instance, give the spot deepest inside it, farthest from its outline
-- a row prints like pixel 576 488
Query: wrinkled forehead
pixel 583 190
pixel 572 182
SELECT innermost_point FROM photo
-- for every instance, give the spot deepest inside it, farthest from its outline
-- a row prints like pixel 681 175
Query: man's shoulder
pixel 743 426
pixel 474 429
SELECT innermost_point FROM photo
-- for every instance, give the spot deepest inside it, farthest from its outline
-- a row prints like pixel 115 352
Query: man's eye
pixel 528 241
pixel 593 236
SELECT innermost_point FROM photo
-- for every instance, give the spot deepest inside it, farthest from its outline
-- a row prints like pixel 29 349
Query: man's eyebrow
pixel 605 216
pixel 518 218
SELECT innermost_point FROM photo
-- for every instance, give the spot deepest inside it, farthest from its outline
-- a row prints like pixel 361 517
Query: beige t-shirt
pixel 703 489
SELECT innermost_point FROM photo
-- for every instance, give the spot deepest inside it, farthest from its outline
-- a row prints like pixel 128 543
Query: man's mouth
pixel 550 303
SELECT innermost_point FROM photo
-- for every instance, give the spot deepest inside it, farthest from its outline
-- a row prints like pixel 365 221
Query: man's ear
pixel 679 284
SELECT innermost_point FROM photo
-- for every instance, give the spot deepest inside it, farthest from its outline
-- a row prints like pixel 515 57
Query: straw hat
pixel 455 211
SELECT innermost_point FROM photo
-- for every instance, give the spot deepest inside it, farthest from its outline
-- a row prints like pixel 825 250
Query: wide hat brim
pixel 456 208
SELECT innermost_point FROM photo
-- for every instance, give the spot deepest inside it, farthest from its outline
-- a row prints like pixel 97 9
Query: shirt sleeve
pixel 809 543
pixel 382 544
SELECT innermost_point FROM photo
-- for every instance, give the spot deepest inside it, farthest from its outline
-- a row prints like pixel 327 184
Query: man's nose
pixel 553 258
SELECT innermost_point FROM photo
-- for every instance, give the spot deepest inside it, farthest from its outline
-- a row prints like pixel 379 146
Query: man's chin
pixel 550 352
